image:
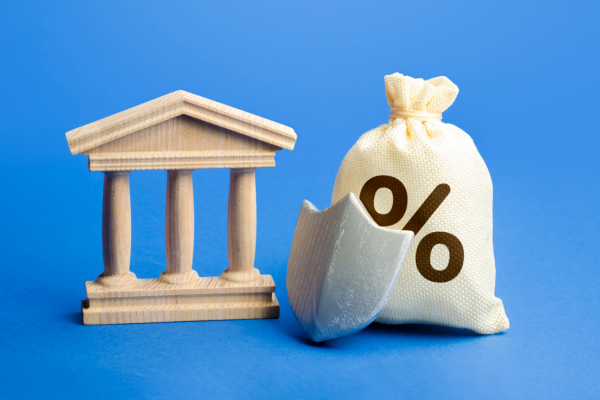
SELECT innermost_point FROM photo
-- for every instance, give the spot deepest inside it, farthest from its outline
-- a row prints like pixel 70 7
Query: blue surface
pixel 528 75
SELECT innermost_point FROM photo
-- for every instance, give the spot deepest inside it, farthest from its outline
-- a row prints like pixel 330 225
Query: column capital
pixel 115 174
pixel 180 171
pixel 239 171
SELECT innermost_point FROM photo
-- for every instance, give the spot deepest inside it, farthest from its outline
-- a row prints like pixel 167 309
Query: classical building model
pixel 179 132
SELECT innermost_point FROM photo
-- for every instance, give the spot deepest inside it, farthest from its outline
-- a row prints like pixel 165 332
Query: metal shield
pixel 342 268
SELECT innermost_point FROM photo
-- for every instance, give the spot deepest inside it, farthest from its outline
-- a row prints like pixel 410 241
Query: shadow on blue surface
pixel 398 331
pixel 72 318
pixel 418 329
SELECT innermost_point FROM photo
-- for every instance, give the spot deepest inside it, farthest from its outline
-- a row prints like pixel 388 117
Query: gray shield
pixel 342 268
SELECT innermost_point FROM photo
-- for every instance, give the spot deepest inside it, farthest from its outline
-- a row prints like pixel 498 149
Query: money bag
pixel 420 174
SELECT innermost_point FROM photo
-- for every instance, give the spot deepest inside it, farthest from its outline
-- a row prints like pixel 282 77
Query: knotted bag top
pixel 411 98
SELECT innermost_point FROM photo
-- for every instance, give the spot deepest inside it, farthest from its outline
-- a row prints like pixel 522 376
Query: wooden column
pixel 179 228
pixel 241 226
pixel 116 230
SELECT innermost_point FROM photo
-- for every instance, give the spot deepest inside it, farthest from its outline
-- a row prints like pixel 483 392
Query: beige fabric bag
pixel 418 173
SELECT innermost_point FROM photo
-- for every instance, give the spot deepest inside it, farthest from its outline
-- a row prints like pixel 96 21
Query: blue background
pixel 528 75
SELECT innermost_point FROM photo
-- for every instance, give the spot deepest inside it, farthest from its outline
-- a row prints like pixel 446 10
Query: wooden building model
pixel 179 132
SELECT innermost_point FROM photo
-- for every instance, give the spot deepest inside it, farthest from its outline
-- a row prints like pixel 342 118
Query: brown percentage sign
pixel 418 220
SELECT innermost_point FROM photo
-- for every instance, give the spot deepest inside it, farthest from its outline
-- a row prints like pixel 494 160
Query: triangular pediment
pixel 171 106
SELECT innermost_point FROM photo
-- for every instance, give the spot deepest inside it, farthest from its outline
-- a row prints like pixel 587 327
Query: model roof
pixel 173 105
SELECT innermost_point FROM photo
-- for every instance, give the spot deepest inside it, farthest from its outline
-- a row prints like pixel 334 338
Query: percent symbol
pixel 418 220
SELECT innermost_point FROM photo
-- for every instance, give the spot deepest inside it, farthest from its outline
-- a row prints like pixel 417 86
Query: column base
pixel 150 300
pixel 241 276
pixel 179 278
pixel 117 281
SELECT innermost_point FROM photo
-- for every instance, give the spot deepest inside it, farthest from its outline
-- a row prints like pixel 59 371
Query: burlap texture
pixel 424 153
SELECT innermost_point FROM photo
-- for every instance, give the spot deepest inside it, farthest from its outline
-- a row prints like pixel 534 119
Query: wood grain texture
pixel 179 228
pixel 182 143
pixel 173 105
pixel 180 132
pixel 179 160
pixel 151 300
pixel 241 226
pixel 116 230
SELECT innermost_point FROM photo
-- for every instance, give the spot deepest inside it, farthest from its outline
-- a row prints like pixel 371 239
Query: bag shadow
pixel 421 330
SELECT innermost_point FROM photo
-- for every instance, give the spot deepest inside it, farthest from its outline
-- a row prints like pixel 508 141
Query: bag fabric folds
pixel 421 174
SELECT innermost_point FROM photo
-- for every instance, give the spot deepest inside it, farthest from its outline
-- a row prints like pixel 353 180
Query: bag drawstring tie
pixel 397 112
